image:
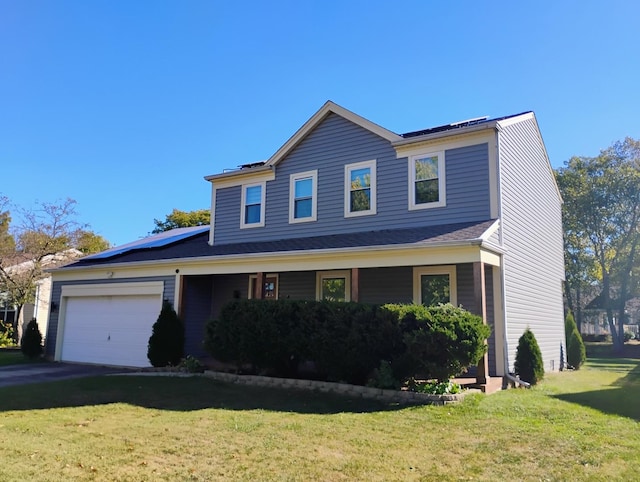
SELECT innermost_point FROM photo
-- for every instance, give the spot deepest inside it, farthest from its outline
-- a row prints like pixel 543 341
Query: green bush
pixel 628 336
pixel 348 342
pixel 31 342
pixel 440 341
pixel 528 365
pixel 166 344
pixel 6 334
pixel 576 352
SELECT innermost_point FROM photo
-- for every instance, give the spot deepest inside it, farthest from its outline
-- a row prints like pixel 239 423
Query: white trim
pixel 490 231
pixel 498 322
pixel 371 165
pixel 442 192
pixel 314 195
pixel 449 270
pixel 322 275
pixel 263 196
pixel 242 176
pixel 212 216
pixel 254 277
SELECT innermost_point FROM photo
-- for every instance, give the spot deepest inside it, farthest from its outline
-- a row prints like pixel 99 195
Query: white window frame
pixel 322 275
pixel 314 196
pixel 347 188
pixel 419 271
pixel 253 278
pixel 441 202
pixel 263 192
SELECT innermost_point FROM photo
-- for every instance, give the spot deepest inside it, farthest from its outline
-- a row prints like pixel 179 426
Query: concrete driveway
pixel 49 372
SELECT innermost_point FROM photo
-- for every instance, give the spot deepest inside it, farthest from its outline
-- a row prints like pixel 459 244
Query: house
pixel 467 213
pixel 23 268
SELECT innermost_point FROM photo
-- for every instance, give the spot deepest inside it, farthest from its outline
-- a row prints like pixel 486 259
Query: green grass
pixel 581 425
pixel 13 356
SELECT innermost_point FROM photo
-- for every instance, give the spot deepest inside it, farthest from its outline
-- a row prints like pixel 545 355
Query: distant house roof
pixel 196 245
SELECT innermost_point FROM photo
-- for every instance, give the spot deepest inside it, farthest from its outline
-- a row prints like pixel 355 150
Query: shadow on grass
pixel 621 398
pixel 179 394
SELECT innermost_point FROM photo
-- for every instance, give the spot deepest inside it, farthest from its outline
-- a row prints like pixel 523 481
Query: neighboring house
pixel 467 213
pixel 39 308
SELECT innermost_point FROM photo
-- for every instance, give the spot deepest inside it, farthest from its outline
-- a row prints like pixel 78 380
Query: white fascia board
pixel 242 176
pixel 490 230
pixel 325 110
pixel 460 131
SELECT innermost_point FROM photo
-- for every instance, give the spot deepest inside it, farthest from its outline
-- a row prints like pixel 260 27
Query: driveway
pixel 49 372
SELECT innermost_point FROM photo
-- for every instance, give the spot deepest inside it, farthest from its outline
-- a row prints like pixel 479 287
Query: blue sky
pixel 124 106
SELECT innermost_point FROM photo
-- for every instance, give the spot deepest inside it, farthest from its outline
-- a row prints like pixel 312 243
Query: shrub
pixel 576 353
pixel 528 365
pixel 628 336
pixel 31 343
pixel 440 341
pixel 166 344
pixel 6 334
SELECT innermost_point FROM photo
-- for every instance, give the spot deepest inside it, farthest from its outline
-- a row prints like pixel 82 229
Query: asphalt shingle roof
pixel 197 246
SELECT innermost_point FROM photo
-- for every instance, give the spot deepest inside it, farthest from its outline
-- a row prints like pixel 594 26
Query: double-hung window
pixel 360 188
pixel 303 188
pixel 427 181
pixel 433 285
pixel 333 285
pixel 253 200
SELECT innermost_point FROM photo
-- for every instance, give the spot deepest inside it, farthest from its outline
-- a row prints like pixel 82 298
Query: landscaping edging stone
pixel 391 396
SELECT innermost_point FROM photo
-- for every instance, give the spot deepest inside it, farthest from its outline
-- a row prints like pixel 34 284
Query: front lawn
pixel 13 356
pixel 580 425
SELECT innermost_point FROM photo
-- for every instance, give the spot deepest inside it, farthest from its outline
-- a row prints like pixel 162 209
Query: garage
pixel 110 328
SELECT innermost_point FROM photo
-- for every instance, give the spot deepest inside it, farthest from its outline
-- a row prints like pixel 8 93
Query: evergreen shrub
pixel 166 344
pixel 528 365
pixel 576 352
pixel 31 342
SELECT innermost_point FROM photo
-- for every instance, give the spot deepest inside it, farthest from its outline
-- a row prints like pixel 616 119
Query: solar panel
pixel 155 241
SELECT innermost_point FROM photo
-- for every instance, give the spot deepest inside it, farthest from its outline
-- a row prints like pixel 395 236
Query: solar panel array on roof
pixel 155 241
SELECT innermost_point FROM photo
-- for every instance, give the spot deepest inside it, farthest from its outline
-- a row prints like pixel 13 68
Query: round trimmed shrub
pixel 31 343
pixel 528 365
pixel 166 344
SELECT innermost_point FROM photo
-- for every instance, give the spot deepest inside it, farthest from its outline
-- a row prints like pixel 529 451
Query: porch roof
pixel 197 246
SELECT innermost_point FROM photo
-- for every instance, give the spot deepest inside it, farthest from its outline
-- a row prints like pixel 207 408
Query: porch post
pixel 355 284
pixel 480 296
pixel 257 289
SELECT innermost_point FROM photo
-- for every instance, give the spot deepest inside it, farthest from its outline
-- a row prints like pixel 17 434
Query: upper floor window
pixel 360 188
pixel 253 200
pixel 433 285
pixel 426 181
pixel 303 188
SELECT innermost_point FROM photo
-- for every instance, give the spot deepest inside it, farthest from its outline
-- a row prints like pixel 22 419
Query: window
pixel 426 181
pixel 269 286
pixel 252 215
pixel 435 284
pixel 303 188
pixel 333 285
pixel 360 188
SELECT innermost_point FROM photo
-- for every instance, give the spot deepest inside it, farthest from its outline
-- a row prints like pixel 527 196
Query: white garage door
pixel 109 330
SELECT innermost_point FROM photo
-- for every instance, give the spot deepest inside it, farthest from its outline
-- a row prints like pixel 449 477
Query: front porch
pixel 474 286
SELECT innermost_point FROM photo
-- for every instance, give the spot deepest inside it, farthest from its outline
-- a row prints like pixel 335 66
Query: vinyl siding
pixel 335 143
pixel 386 285
pixel 532 236
pixel 196 310
pixel 56 294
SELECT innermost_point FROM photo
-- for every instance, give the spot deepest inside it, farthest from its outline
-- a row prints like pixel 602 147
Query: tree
pixel 89 242
pixel 182 219
pixel 43 238
pixel 576 352
pixel 166 344
pixel 31 342
pixel 602 222
pixel 528 365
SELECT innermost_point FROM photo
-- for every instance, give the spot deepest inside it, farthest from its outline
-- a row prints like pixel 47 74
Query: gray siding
pixel 386 285
pixel 196 309
pixel 297 285
pixel 335 143
pixel 56 294
pixel 532 236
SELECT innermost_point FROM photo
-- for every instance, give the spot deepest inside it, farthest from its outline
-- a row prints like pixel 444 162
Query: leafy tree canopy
pixel 182 219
